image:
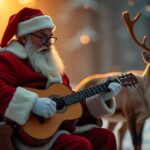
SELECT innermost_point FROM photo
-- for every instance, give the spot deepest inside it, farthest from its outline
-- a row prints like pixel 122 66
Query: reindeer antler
pixel 130 25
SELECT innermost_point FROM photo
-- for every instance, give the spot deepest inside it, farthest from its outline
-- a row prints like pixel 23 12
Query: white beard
pixel 46 62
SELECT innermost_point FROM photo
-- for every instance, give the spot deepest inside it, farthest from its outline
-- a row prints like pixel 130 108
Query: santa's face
pixel 43 58
pixel 42 38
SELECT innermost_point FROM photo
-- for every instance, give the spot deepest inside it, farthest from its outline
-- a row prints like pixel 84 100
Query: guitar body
pixel 36 130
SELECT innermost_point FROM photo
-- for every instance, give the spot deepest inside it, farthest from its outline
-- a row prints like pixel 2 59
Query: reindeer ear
pixel 146 56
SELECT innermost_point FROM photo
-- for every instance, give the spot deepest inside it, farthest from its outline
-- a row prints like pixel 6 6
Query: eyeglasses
pixel 46 39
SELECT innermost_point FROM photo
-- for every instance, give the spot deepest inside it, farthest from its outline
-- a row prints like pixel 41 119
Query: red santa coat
pixel 16 101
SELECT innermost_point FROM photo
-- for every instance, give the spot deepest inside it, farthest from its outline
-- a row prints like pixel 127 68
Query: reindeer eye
pixel 147 58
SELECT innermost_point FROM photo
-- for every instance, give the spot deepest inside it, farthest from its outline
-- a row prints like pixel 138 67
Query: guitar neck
pixel 86 93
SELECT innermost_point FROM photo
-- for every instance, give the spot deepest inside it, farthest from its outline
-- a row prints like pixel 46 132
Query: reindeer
pixel 132 105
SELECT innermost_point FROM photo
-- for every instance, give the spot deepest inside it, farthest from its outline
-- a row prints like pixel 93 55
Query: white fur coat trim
pixel 85 128
pixel 35 24
pixel 47 146
pixel 98 107
pixel 17 49
pixel 1 49
pixel 21 105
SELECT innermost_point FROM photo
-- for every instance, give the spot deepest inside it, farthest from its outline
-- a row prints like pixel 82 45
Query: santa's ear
pixel 23 39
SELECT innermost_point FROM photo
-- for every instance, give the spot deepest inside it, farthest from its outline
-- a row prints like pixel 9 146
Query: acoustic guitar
pixel 39 130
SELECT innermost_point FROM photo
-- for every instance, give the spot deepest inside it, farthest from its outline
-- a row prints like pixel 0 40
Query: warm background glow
pixel 26 2
pixel 9 7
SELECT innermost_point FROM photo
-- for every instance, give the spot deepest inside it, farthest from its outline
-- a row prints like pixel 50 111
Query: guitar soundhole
pixel 60 105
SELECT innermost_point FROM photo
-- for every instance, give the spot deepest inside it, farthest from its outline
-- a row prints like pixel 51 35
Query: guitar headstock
pixel 127 80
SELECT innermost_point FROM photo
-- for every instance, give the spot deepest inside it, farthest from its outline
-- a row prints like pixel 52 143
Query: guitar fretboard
pixel 86 93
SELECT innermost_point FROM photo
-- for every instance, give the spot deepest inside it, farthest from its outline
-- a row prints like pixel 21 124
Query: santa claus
pixel 31 61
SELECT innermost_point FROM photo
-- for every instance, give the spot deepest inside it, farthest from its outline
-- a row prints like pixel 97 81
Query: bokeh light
pixel 148 8
pixel 86 6
pixel 84 39
pixel 26 2
pixel 131 3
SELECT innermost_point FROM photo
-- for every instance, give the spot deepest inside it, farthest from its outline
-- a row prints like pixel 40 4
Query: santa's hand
pixel 114 90
pixel 44 107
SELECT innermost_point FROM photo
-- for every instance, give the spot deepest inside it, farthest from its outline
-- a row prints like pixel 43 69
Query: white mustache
pixel 42 48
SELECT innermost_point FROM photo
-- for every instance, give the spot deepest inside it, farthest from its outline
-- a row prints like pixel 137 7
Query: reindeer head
pixel 130 25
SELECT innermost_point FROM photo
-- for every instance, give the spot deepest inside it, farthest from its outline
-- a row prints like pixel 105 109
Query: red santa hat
pixel 26 21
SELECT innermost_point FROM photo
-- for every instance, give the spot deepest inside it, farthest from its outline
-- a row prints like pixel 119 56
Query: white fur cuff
pixel 99 108
pixel 20 106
